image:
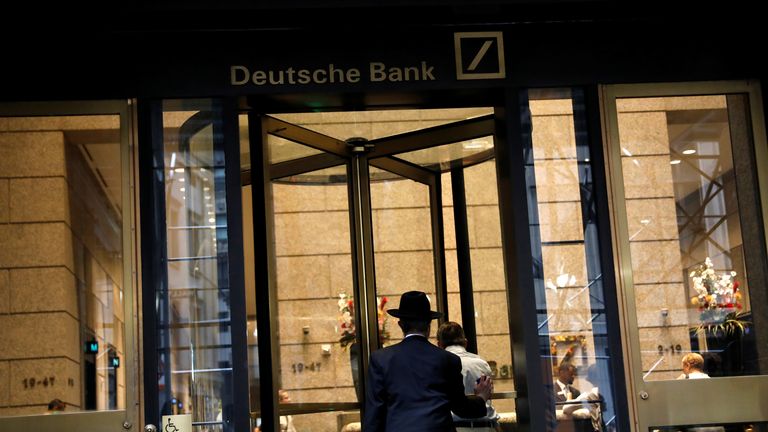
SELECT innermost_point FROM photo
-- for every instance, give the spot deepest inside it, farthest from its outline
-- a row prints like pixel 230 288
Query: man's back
pixel 414 386
pixel 473 367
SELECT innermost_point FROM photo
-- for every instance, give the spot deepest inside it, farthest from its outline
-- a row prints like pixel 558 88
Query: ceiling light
pixel 182 189
pixel 179 170
pixel 674 161
pixel 211 220
pixel 689 151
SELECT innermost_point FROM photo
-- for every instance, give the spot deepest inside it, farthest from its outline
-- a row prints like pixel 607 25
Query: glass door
pixel 347 225
pixel 687 163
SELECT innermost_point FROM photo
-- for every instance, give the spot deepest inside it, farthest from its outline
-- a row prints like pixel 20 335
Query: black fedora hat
pixel 414 305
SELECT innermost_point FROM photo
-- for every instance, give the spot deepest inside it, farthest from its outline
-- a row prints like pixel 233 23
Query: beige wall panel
pixel 560 259
pixel 39 335
pixel 320 316
pixel 445 187
pixel 451 271
pixel 557 180
pixel 651 299
pixel 5 291
pixel 5 203
pixel 491 311
pixel 656 262
pixel 652 219
pixel 402 230
pixel 398 194
pixel 39 199
pixel 381 130
pixel 311 233
pixel 643 133
pixel 336 197
pixel 449 228
pixel 454 309
pixel 647 177
pixel 553 137
pixel 551 107
pixel 65 123
pixel 560 221
pixel 480 184
pixel 334 369
pixel 487 270
pixel 319 422
pixel 60 369
pixel 43 289
pixel 651 338
pixel 495 348
pixel 341 274
pixel 45 148
pixel 484 221
pixel 338 394
pixel 36 245
pixel 298 198
pixel 670 103
pixel 301 277
pixel 5 391
pixel 398 272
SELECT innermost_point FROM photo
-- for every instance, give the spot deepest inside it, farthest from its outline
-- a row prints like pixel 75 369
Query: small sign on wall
pixel 177 423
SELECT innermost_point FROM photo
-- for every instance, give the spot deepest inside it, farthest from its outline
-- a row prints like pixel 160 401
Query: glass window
pixel 685 216
pixel 567 269
pixel 62 293
pixel 194 330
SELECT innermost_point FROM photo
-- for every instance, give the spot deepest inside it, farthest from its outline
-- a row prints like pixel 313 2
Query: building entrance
pixel 357 209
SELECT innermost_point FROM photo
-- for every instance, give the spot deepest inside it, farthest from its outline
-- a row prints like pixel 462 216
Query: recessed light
pixel 674 161
pixel 689 151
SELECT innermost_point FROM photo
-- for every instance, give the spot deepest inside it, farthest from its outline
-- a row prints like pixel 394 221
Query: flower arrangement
pixel 347 320
pixel 718 300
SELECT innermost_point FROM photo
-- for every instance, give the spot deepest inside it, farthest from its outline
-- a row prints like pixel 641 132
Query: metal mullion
pixel 588 121
pixel 534 405
pixel 305 165
pixel 304 136
pixel 438 244
pixel 362 247
pixel 153 259
pixel 463 257
pixel 438 135
pixel 265 273
pixel 404 169
pixel 235 253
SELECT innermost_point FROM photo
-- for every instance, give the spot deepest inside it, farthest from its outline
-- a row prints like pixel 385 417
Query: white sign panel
pixel 177 423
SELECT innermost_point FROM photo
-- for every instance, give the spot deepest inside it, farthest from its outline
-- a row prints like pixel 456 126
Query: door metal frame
pixel 105 419
pixel 337 152
pixel 650 401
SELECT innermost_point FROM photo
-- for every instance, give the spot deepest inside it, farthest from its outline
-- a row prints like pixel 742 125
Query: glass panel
pixel 194 328
pixel 488 281
pixel 316 332
pixel 441 157
pixel 692 290
pixel 402 244
pixel 567 269
pixel 379 124
pixel 61 265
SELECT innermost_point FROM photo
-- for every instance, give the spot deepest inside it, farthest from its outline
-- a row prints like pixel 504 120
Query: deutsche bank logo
pixel 479 55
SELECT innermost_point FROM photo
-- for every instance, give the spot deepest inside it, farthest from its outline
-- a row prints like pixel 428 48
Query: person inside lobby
pixel 693 367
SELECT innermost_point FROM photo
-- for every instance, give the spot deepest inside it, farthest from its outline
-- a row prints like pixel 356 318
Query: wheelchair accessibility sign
pixel 479 55
pixel 177 423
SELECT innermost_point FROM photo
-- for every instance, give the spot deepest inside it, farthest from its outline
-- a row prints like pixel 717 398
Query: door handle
pixel 150 428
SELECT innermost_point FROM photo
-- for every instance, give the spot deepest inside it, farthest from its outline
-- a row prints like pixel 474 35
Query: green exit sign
pixel 91 347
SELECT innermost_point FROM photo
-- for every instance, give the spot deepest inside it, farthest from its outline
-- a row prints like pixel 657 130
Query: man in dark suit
pixel 564 389
pixel 414 385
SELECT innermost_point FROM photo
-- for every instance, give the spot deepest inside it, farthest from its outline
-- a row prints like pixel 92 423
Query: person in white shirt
pixel 693 367
pixel 450 337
